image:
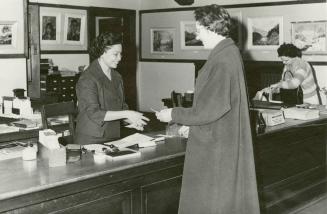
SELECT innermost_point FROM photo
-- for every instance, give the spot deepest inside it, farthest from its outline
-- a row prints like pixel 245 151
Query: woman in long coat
pixel 219 173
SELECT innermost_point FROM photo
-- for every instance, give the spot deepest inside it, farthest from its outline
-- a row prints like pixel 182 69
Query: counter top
pixel 292 123
pixel 23 177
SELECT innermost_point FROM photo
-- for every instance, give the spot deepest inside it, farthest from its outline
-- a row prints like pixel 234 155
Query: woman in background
pixel 100 95
pixel 219 172
pixel 296 72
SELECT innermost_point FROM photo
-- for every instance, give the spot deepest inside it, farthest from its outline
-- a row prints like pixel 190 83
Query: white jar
pixel 29 153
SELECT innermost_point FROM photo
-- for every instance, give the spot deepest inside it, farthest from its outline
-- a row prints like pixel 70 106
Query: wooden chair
pixel 176 99
pixel 60 109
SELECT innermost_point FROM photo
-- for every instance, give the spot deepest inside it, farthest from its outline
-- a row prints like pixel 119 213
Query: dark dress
pixel 96 94
pixel 219 173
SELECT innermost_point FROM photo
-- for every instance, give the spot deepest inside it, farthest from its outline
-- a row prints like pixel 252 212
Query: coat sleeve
pixel 213 100
pixel 88 99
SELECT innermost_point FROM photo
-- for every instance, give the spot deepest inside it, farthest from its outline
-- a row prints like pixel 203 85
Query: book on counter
pixel 25 123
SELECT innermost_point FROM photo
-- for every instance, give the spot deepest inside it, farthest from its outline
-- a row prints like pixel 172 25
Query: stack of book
pixel 44 66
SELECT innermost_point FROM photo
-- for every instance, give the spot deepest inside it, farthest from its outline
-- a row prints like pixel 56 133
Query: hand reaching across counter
pixel 136 120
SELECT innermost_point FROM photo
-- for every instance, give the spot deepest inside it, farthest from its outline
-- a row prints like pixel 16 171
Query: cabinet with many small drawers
pixel 62 87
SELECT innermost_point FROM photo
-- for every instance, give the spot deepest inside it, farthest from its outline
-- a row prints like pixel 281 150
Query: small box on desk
pixel 55 157
pixel 273 117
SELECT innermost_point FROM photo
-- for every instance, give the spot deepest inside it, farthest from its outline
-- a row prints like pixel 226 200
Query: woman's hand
pixel 164 115
pixel 275 88
pixel 136 120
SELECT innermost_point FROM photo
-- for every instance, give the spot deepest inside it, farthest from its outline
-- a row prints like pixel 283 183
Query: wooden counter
pixel 149 184
pixel 290 165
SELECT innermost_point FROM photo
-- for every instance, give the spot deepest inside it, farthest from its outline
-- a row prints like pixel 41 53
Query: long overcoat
pixel 219 172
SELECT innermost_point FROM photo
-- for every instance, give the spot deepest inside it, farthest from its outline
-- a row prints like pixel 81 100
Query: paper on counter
pixel 137 138
pixel 7 129
pixel 301 113
pixel 49 139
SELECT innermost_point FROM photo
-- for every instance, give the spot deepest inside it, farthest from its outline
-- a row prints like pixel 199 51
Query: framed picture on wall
pixel 50 28
pixel 74 30
pixel 13 29
pixel 162 40
pixel 8 34
pixel 310 36
pixel 188 36
pixel 265 32
pixel 63 30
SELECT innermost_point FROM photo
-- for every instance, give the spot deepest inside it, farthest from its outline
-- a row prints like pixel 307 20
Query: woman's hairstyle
pixel 214 18
pixel 289 50
pixel 103 42
pixel 49 25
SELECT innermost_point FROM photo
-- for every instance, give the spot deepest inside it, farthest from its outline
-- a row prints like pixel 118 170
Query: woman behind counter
pixel 219 173
pixel 296 72
pixel 100 95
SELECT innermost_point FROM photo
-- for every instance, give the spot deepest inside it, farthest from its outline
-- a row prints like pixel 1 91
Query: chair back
pixel 176 99
pixel 59 109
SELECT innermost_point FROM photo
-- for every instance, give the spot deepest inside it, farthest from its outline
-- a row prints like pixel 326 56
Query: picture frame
pixel 162 40
pixel 265 33
pixel 13 29
pixel 188 36
pixel 63 42
pixel 50 27
pixel 8 34
pixel 310 36
pixel 74 29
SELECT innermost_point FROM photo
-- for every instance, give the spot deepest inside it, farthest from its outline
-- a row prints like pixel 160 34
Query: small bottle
pixel 29 153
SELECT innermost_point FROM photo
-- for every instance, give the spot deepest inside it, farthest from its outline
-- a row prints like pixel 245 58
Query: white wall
pixel 12 75
pixel 157 80
pixel 160 4
pixel 124 4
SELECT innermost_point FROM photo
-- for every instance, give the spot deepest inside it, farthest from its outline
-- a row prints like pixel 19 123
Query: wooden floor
pixel 318 206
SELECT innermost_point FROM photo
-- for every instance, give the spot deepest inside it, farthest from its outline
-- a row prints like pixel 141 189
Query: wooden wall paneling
pixel 33 62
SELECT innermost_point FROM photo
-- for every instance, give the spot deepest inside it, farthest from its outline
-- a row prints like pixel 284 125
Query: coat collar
pixel 98 73
pixel 220 46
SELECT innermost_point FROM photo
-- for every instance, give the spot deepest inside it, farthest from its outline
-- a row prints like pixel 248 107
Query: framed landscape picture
pixel 162 40
pixel 8 34
pixel 13 29
pixel 310 36
pixel 188 36
pixel 265 32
